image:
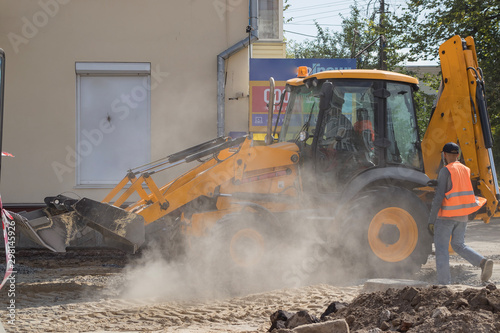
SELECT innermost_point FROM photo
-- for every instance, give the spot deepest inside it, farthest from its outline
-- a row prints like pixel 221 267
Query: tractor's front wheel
pixel 240 248
pixel 387 232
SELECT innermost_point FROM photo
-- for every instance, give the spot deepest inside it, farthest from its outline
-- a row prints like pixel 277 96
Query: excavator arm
pixel 461 116
pixel 230 170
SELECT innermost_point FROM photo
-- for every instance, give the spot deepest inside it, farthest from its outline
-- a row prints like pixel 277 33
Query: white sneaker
pixel 487 270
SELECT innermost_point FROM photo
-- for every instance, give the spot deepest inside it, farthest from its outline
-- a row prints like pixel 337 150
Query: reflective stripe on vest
pixel 460 200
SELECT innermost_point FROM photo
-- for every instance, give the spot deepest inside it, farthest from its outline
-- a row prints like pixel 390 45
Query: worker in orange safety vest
pixel 453 202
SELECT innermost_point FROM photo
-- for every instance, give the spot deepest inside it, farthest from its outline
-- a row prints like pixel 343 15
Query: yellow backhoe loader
pixel 348 158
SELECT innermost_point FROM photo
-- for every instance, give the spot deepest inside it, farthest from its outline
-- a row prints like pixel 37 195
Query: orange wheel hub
pixel 247 247
pixel 393 234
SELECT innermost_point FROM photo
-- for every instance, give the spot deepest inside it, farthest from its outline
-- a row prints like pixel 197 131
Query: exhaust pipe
pixel 270 112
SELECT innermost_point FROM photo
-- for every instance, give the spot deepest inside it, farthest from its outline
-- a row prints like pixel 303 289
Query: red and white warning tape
pixel 7 225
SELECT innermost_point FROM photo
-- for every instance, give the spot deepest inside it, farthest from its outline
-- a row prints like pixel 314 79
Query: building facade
pixel 94 88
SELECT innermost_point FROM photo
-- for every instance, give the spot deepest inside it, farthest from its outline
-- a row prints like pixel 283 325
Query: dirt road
pixel 83 291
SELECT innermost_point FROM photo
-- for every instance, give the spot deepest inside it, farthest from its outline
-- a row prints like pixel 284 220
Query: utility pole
pixel 382 56
pixel 353 49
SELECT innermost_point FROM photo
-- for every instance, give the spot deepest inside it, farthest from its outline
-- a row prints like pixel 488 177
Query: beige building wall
pixel 269 50
pixel 180 39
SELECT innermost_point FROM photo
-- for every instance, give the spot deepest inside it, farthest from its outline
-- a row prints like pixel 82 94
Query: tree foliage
pixel 357 33
pixel 426 24
pixel 286 5
pixel 424 102
pixel 415 33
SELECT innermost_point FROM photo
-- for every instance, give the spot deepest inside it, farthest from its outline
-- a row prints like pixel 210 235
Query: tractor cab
pixel 346 122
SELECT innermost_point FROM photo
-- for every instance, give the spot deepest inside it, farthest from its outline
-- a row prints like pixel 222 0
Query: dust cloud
pixel 294 255
pixel 152 276
pixel 310 244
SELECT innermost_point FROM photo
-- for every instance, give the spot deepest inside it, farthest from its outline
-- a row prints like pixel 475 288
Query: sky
pixel 328 15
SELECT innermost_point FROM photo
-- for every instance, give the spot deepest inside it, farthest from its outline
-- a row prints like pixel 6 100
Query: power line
pixel 325 24
pixel 298 33
pixel 323 12
pixel 316 18
pixel 329 4
pixel 305 8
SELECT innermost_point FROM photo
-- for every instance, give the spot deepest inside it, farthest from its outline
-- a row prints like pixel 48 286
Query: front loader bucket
pixel 125 230
pixel 55 228
pixel 51 231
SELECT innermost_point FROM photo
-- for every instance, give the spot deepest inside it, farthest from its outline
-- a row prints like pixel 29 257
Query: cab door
pixel 348 129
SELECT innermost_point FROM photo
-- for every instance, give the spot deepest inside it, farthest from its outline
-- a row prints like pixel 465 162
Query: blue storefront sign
pixel 281 70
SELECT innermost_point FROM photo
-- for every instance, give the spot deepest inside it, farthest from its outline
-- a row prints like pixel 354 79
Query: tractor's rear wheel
pixel 387 232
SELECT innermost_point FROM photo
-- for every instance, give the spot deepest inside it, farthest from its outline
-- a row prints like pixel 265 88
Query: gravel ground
pixel 82 291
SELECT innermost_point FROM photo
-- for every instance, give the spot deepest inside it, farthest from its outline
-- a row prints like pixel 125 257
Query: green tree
pixel 286 5
pixel 426 24
pixel 424 101
pixel 357 32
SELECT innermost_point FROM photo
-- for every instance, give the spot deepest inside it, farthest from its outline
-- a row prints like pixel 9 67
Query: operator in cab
pixel 453 202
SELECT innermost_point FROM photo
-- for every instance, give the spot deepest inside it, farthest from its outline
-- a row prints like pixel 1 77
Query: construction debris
pixel 430 309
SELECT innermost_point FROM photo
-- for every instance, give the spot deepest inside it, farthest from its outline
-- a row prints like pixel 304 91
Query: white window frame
pixel 280 24
pixel 108 69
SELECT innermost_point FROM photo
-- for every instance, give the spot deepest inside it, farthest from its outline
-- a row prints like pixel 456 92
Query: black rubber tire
pixel 240 252
pixel 386 233
pixel 165 236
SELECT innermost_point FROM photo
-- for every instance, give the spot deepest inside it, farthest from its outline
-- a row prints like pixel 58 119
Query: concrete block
pixel 334 326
